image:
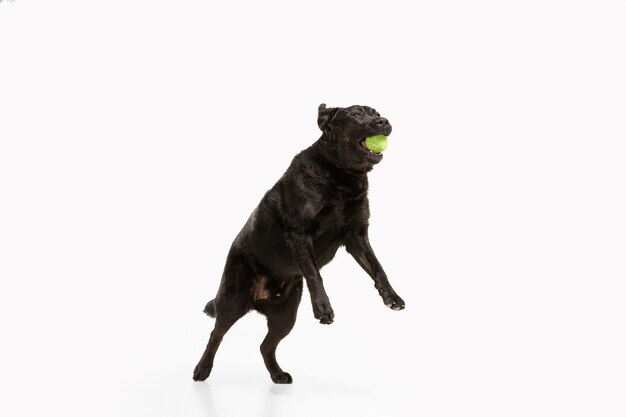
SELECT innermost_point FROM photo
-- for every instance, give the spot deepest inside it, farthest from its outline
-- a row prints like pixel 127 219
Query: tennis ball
pixel 376 144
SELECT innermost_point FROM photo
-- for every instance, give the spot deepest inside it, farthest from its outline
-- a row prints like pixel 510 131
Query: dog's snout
pixel 381 122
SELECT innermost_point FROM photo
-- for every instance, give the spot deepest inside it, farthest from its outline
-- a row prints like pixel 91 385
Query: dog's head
pixel 344 131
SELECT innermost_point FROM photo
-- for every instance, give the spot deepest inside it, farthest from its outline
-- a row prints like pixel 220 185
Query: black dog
pixel 318 205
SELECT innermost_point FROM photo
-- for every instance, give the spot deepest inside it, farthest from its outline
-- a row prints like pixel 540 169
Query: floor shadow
pixel 272 399
pixel 205 398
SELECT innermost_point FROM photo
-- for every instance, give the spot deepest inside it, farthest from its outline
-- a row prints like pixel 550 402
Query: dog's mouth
pixel 372 157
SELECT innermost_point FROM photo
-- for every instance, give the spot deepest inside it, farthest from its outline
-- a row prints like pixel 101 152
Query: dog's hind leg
pixel 230 305
pixel 280 320
pixel 223 323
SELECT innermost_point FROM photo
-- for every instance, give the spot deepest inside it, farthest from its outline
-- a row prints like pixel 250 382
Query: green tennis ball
pixel 376 144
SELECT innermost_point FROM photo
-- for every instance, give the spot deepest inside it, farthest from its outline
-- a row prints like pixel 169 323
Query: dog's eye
pixel 356 114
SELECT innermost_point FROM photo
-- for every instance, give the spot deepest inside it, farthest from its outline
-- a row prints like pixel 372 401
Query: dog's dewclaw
pixel 376 144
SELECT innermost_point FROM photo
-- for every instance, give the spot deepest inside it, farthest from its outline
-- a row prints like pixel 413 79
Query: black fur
pixel 318 205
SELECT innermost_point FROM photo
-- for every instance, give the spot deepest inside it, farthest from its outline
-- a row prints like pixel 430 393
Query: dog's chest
pixel 338 209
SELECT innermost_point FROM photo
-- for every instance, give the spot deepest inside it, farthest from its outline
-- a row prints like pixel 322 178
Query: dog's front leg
pixel 302 250
pixel 358 245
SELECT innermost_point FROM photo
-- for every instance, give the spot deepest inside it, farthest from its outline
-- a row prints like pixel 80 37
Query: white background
pixel 137 136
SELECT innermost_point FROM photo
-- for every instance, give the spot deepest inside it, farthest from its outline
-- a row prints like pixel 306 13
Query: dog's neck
pixel 324 153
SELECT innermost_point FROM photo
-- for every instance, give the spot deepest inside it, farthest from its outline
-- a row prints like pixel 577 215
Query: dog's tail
pixel 209 309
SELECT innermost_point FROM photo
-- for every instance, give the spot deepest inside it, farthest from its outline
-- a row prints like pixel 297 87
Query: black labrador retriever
pixel 318 205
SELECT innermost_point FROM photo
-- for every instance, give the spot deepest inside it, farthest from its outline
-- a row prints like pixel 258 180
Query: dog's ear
pixel 324 115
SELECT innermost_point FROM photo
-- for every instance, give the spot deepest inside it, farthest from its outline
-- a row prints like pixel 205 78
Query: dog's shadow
pixel 205 397
pixel 280 399
pixel 277 399
pixel 273 398
pixel 270 407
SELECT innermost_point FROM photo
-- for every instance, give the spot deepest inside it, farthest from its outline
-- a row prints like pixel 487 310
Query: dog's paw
pixel 201 372
pixel 393 301
pixel 282 378
pixel 323 311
